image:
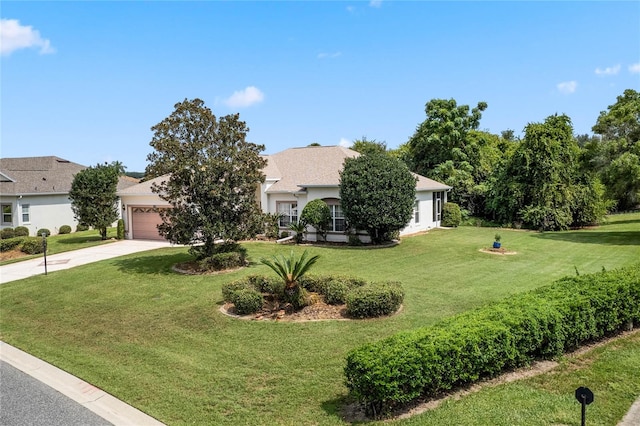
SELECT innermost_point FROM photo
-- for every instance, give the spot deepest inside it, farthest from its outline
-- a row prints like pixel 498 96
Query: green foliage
pixel 377 194
pixel 120 230
pixel 271 225
pixel 246 301
pixel 93 196
pixel 82 227
pixel 451 215
pixel 299 228
pixel 317 214
pixel 7 233
pixel 497 238
pixel 40 231
pixel 290 269
pixel 542 323
pixel 22 231
pixel 374 300
pixel 212 172
pixel 10 243
pixel 224 256
pixel 64 229
pixel 365 146
pixel 32 245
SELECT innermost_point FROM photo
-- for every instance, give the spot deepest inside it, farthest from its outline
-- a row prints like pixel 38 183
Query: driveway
pixel 70 259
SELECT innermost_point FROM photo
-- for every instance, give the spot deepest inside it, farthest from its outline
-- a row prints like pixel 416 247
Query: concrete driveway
pixel 69 259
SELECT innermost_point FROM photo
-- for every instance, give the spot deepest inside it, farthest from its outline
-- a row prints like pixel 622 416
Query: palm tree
pixel 299 228
pixel 291 269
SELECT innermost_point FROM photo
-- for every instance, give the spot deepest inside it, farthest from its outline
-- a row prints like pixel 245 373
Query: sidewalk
pixel 69 259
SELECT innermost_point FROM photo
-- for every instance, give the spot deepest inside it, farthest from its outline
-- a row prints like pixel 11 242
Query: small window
pixel 288 213
pixel 26 218
pixel 7 216
pixel 416 212
pixel 338 222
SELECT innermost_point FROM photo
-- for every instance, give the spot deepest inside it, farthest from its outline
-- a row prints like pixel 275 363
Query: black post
pixel 44 250
pixel 584 397
pixel 584 409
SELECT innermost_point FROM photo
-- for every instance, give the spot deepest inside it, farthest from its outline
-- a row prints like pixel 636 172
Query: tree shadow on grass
pixel 80 240
pixel 621 238
pixel 152 264
pixel 337 408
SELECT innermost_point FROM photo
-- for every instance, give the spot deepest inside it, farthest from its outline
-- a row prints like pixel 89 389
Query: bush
pixel 228 289
pixel 374 300
pixel 43 230
pixel 32 245
pixel 7 233
pixel 10 243
pixel 22 231
pixel 222 261
pixel 120 230
pixel 81 227
pixel 264 284
pixel 451 215
pixel 540 324
pixel 247 301
pixel 64 229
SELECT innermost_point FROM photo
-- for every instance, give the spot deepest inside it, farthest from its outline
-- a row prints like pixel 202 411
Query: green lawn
pixel 67 242
pixel 157 340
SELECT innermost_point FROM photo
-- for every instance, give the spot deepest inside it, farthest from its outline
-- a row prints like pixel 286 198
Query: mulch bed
pixel 275 311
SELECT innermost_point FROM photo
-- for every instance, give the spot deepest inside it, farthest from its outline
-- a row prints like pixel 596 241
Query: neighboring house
pixel 34 192
pixel 293 178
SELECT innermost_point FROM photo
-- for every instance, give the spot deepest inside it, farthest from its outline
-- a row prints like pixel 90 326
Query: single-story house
pixel 34 192
pixel 293 178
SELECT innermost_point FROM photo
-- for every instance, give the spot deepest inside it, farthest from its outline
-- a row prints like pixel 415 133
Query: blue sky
pixel 86 80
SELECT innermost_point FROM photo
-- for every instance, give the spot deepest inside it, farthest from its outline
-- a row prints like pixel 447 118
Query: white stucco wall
pixel 45 211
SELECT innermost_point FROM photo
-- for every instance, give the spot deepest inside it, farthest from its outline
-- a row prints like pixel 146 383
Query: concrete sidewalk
pixel 96 400
pixel 69 259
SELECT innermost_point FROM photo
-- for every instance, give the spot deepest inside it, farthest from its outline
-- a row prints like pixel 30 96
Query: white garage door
pixel 144 223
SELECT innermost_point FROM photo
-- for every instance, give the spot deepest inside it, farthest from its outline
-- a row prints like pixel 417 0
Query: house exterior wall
pixel 49 211
pixel 130 201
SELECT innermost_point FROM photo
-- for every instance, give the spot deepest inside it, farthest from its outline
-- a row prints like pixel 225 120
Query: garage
pixel 144 223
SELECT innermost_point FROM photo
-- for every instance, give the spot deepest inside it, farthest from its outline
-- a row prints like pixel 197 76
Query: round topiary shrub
pixel 22 231
pixel 43 230
pixel 451 215
pixel 7 233
pixel 247 301
pixel 32 246
pixel 374 300
pixel 81 227
pixel 64 229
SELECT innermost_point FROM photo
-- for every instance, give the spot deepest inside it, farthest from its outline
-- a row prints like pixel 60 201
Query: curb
pixel 98 401
pixel 632 418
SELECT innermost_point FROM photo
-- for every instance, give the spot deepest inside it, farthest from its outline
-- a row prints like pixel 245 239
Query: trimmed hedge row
pixel 10 243
pixel 540 324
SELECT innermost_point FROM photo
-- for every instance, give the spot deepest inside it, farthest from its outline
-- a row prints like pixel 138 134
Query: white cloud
pixel 375 3
pixel 325 55
pixel 14 36
pixel 344 142
pixel 567 87
pixel 244 98
pixel 608 70
pixel 634 68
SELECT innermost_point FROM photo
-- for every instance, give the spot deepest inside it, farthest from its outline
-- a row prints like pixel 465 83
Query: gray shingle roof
pixel 41 175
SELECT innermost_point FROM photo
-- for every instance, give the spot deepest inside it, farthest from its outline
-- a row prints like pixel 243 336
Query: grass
pixel 67 242
pixel 157 340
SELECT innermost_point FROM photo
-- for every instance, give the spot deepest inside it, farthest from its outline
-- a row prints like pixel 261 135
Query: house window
pixel 338 223
pixel 437 205
pixel 288 212
pixel 25 214
pixel 7 217
pixel 416 212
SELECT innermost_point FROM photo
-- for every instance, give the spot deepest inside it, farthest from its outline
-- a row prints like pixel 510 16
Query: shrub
pixel 40 231
pixel 317 214
pixel 22 231
pixel 374 300
pixel 264 284
pixel 7 233
pixel 451 215
pixel 64 229
pixel 335 292
pixel 222 261
pixel 542 323
pixel 284 234
pixel 82 227
pixel 229 288
pixel 32 245
pixel 10 243
pixel 247 301
pixel 120 230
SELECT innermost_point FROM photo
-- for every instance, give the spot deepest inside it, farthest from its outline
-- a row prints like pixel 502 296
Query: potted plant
pixel 496 243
